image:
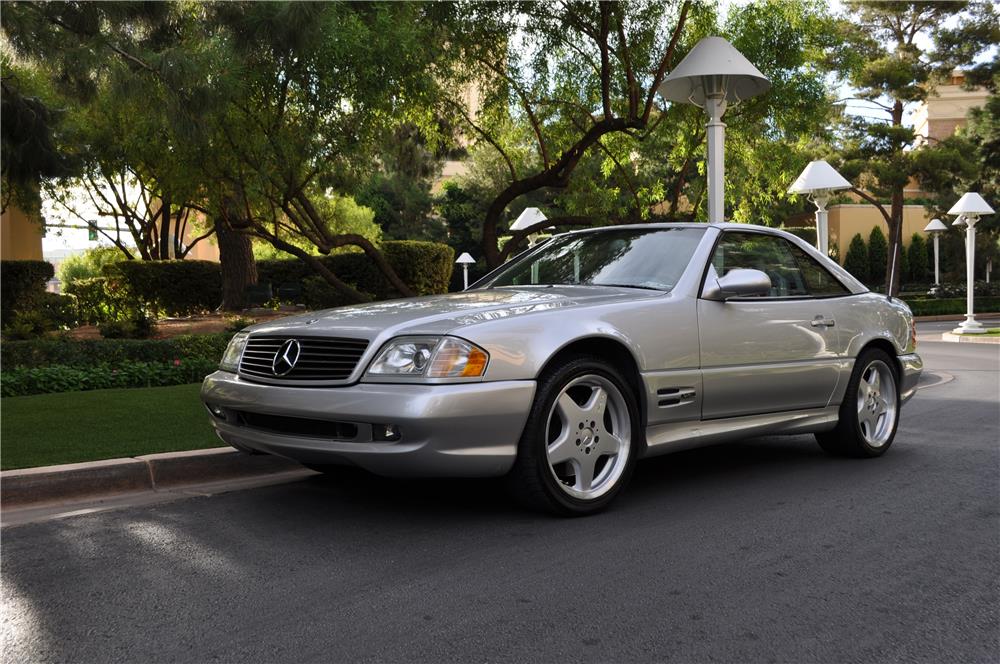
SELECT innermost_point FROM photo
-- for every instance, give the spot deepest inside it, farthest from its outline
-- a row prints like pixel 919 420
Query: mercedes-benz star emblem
pixel 286 357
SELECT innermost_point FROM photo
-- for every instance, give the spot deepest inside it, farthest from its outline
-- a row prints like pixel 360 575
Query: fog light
pixel 387 432
pixel 216 411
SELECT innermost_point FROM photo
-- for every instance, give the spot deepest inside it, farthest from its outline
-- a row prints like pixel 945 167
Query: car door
pixel 772 353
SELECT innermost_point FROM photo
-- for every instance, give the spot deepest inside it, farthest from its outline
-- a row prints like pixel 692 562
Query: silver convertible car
pixel 563 367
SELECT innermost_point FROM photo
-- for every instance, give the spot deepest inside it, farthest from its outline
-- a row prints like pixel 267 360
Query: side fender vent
pixel 675 396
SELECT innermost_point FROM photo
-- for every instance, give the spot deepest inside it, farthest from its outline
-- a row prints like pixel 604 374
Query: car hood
pixel 440 314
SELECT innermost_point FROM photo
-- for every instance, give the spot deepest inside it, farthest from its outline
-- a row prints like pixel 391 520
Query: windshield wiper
pixel 627 286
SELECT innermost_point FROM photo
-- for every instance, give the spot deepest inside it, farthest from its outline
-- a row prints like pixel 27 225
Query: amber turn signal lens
pixel 476 363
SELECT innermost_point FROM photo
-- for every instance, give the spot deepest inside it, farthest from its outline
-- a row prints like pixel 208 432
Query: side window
pixel 819 281
pixel 770 254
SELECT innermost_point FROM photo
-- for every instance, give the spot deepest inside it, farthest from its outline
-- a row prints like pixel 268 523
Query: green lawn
pixel 69 427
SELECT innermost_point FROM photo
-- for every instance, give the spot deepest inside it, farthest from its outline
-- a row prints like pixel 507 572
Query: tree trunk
pixel 163 252
pixel 239 269
pixel 893 264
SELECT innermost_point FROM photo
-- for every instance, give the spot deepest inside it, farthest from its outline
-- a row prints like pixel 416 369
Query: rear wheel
pixel 869 413
pixel 579 444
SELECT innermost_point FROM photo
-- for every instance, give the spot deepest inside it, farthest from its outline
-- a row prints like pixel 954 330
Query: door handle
pixel 820 321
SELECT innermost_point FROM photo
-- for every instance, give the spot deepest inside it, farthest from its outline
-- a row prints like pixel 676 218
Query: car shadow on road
pixel 656 479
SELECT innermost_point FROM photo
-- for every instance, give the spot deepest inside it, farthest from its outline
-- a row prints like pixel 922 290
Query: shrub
pixel 424 266
pixel 856 261
pixel 102 299
pixel 93 352
pixel 949 306
pixel 175 288
pixel 88 265
pixel 918 259
pixel 878 254
pixel 61 378
pixel 140 326
pixel 27 325
pixel 21 284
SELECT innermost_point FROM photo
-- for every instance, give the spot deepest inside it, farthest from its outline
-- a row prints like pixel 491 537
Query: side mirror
pixel 738 283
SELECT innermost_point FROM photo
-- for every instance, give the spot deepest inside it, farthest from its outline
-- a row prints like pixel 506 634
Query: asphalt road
pixel 764 551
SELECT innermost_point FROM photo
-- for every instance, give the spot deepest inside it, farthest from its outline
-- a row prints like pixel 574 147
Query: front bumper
pixel 457 430
pixel 912 366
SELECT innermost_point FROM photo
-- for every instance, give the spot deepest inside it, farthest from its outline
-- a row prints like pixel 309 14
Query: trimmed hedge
pixel 50 351
pixel 61 378
pixel 949 306
pixel 21 285
pixel 424 266
pixel 175 287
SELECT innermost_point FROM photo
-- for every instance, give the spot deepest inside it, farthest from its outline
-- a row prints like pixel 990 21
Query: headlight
pixel 234 351
pixel 433 357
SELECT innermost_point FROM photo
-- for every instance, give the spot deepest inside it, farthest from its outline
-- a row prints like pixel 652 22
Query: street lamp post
pixel 969 208
pixel 819 181
pixel 712 76
pixel 465 260
pixel 934 229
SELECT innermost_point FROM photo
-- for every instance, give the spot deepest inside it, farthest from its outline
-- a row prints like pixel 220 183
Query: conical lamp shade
pixel 713 57
pixel 818 176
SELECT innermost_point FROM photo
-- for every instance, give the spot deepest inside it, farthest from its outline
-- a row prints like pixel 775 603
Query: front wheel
pixel 869 413
pixel 580 441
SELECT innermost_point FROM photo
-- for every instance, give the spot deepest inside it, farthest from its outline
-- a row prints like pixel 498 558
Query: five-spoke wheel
pixel 870 410
pixel 579 443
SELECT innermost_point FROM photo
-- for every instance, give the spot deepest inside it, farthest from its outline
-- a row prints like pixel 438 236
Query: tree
pixel 655 172
pixel 918 261
pixel 878 251
pixel 895 67
pixel 856 261
pixel 581 71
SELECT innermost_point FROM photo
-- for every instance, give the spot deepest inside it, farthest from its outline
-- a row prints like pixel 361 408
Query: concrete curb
pixel 971 338
pixel 97 479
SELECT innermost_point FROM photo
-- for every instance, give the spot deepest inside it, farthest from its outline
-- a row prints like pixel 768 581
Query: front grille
pixel 296 426
pixel 321 358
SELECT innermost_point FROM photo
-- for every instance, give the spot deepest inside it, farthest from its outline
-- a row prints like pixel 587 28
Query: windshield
pixel 637 258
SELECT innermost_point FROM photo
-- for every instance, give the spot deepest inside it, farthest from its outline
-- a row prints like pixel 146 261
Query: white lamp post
pixel 465 260
pixel 713 75
pixel 818 181
pixel 935 228
pixel 968 208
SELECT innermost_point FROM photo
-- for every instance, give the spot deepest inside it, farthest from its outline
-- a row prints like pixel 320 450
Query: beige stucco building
pixel 20 235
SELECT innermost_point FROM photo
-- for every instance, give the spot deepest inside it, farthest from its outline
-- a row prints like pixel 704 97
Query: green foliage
pixel 27 325
pixel 87 265
pixel 424 266
pixel 878 252
pixel 918 259
pixel 102 299
pixel 174 288
pixel 140 326
pixel 21 285
pixel 94 352
pixel 856 261
pixel 951 306
pixel 61 378
pixel 237 323
pixel 341 215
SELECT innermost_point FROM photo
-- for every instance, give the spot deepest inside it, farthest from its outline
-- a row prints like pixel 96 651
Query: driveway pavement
pixel 764 551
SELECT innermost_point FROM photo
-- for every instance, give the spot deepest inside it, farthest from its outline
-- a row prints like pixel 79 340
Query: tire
pixel 563 465
pixel 869 414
